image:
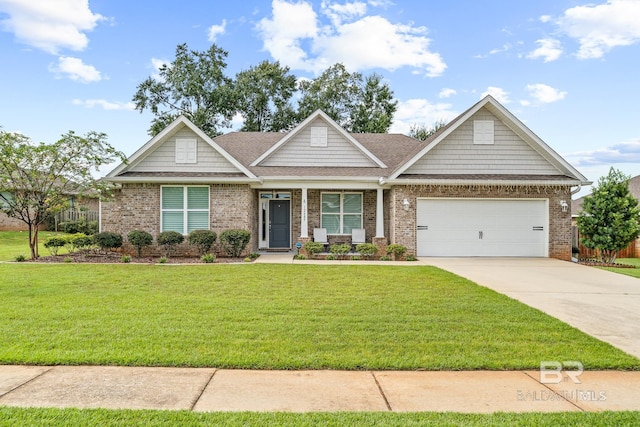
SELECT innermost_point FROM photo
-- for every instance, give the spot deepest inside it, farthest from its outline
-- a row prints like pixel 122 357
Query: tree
pixel 422 132
pixel 610 217
pixel 264 96
pixel 375 109
pixel 193 85
pixel 37 179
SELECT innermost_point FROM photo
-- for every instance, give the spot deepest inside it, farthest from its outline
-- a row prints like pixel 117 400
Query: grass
pixel 104 417
pixel 633 272
pixel 14 243
pixel 277 317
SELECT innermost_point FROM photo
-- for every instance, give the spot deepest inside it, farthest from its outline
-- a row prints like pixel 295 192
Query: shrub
pixel 54 243
pixel 70 227
pixel 81 226
pixel 81 241
pixel 162 260
pixel 20 258
pixel 248 259
pixel 254 255
pixel 202 239
pixel 410 257
pixel 108 240
pixel 355 258
pixel 139 239
pixel 234 241
pixel 385 258
pixel 208 258
pixel 340 250
pixel 331 257
pixel 299 256
pixel 169 240
pixel 367 250
pixel 126 259
pixel 68 259
pixel 313 248
pixel 396 250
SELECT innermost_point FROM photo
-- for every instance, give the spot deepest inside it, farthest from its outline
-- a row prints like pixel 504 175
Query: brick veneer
pixel 559 222
pixel 137 207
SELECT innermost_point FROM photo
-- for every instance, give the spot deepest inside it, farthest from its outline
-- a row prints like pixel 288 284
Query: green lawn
pixel 633 272
pixel 277 317
pixel 75 417
pixel 14 243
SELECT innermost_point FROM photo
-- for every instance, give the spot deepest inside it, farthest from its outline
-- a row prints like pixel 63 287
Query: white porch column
pixel 304 223
pixel 379 214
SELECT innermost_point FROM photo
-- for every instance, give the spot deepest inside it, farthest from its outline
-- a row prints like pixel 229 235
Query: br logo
pixel 553 372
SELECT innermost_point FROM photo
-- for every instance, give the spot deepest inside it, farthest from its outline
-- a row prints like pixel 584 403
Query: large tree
pixel 375 108
pixel 424 132
pixel 610 217
pixel 193 85
pixel 264 95
pixel 37 179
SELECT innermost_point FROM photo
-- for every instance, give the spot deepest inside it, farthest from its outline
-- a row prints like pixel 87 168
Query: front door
pixel 279 224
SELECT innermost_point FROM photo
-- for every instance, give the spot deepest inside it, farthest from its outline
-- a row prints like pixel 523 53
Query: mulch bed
pixel 597 263
pixel 116 258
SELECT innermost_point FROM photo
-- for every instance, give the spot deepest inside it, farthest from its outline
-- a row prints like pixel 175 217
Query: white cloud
pixel 544 93
pixel 75 69
pixel 548 49
pixel 623 152
pixel 359 42
pixel 104 104
pixel 599 28
pixel 419 112
pixel 50 25
pixel 447 92
pixel 545 18
pixel 498 93
pixel 216 30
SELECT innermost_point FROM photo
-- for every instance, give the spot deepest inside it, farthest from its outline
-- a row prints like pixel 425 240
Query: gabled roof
pixel 160 138
pixel 510 121
pixel 318 114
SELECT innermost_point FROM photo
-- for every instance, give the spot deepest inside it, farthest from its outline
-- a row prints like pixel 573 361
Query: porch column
pixel 379 214
pixel 304 223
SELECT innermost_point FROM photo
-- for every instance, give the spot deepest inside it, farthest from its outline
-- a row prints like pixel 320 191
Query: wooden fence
pixel 75 215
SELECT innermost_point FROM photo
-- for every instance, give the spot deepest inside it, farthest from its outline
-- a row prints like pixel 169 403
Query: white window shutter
pixel 318 136
pixel 483 132
pixel 186 150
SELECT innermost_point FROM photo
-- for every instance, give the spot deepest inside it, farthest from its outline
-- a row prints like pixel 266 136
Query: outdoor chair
pixel 357 236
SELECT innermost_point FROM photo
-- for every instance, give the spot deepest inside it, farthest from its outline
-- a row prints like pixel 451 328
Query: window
pixel 483 131
pixel 318 136
pixel 184 209
pixel 186 150
pixel 341 212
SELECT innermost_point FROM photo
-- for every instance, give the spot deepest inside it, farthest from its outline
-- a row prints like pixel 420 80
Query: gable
pixel 507 153
pixel 175 154
pixel 308 147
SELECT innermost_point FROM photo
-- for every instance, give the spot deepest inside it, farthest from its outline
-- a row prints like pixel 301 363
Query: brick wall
pixel 559 222
pixel 137 207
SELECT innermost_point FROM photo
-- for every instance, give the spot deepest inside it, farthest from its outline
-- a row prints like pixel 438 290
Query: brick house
pixel 484 185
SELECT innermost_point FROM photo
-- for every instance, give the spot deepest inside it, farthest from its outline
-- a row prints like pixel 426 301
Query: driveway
pixel 603 304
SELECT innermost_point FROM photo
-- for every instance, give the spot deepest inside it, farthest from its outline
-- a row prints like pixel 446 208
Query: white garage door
pixel 479 227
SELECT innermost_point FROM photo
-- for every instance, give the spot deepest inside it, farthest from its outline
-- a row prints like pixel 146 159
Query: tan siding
pixel 163 158
pixel 338 152
pixel 508 155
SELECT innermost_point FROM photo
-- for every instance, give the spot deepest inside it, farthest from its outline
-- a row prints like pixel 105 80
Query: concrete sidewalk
pixel 209 389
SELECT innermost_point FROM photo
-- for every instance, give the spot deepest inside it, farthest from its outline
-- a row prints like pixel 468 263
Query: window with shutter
pixel 186 150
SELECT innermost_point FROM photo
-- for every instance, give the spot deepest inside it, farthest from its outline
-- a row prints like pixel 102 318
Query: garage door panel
pixel 481 227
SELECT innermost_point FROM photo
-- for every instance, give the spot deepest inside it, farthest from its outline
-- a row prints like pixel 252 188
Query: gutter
pixel 480 182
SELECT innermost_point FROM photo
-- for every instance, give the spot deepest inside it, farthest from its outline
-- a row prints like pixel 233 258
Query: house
pixel 631 251
pixel 484 185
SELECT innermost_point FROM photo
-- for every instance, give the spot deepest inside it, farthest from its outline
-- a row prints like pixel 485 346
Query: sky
pixel 568 69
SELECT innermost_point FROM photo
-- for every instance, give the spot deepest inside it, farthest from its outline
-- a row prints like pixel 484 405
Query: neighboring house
pixel 632 251
pixel 484 185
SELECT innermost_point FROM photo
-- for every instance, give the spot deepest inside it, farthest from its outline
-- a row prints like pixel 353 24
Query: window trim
pixel 185 210
pixel 342 213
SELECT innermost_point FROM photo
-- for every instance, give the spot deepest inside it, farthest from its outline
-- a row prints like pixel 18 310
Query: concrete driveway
pixel 603 304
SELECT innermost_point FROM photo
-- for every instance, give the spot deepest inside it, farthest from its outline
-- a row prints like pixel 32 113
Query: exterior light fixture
pixel 405 204
pixel 564 205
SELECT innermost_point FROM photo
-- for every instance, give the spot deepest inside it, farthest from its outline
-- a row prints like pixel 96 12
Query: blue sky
pixel 567 68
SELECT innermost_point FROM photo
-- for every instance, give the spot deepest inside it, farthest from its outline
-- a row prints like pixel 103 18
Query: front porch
pixel 287 216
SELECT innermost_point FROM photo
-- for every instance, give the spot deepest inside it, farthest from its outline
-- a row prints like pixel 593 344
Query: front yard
pixel 277 317
pixel 633 272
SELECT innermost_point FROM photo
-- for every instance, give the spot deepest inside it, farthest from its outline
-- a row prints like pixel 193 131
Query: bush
pixel 162 260
pixel 68 259
pixel 234 241
pixel 367 250
pixel 355 258
pixel 125 258
pixel 410 257
pixel 81 241
pixel 299 256
pixel 385 258
pixel 340 250
pixel 396 250
pixel 202 239
pixel 313 248
pixel 331 257
pixel 169 240
pixel 208 258
pixel 139 239
pixel 81 226
pixel 108 240
pixel 20 258
pixel 54 243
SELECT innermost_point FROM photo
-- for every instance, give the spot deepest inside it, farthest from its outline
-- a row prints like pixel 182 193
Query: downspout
pixel 576 190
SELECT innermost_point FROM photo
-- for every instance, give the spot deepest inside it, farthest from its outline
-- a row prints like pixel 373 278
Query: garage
pixel 482 227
